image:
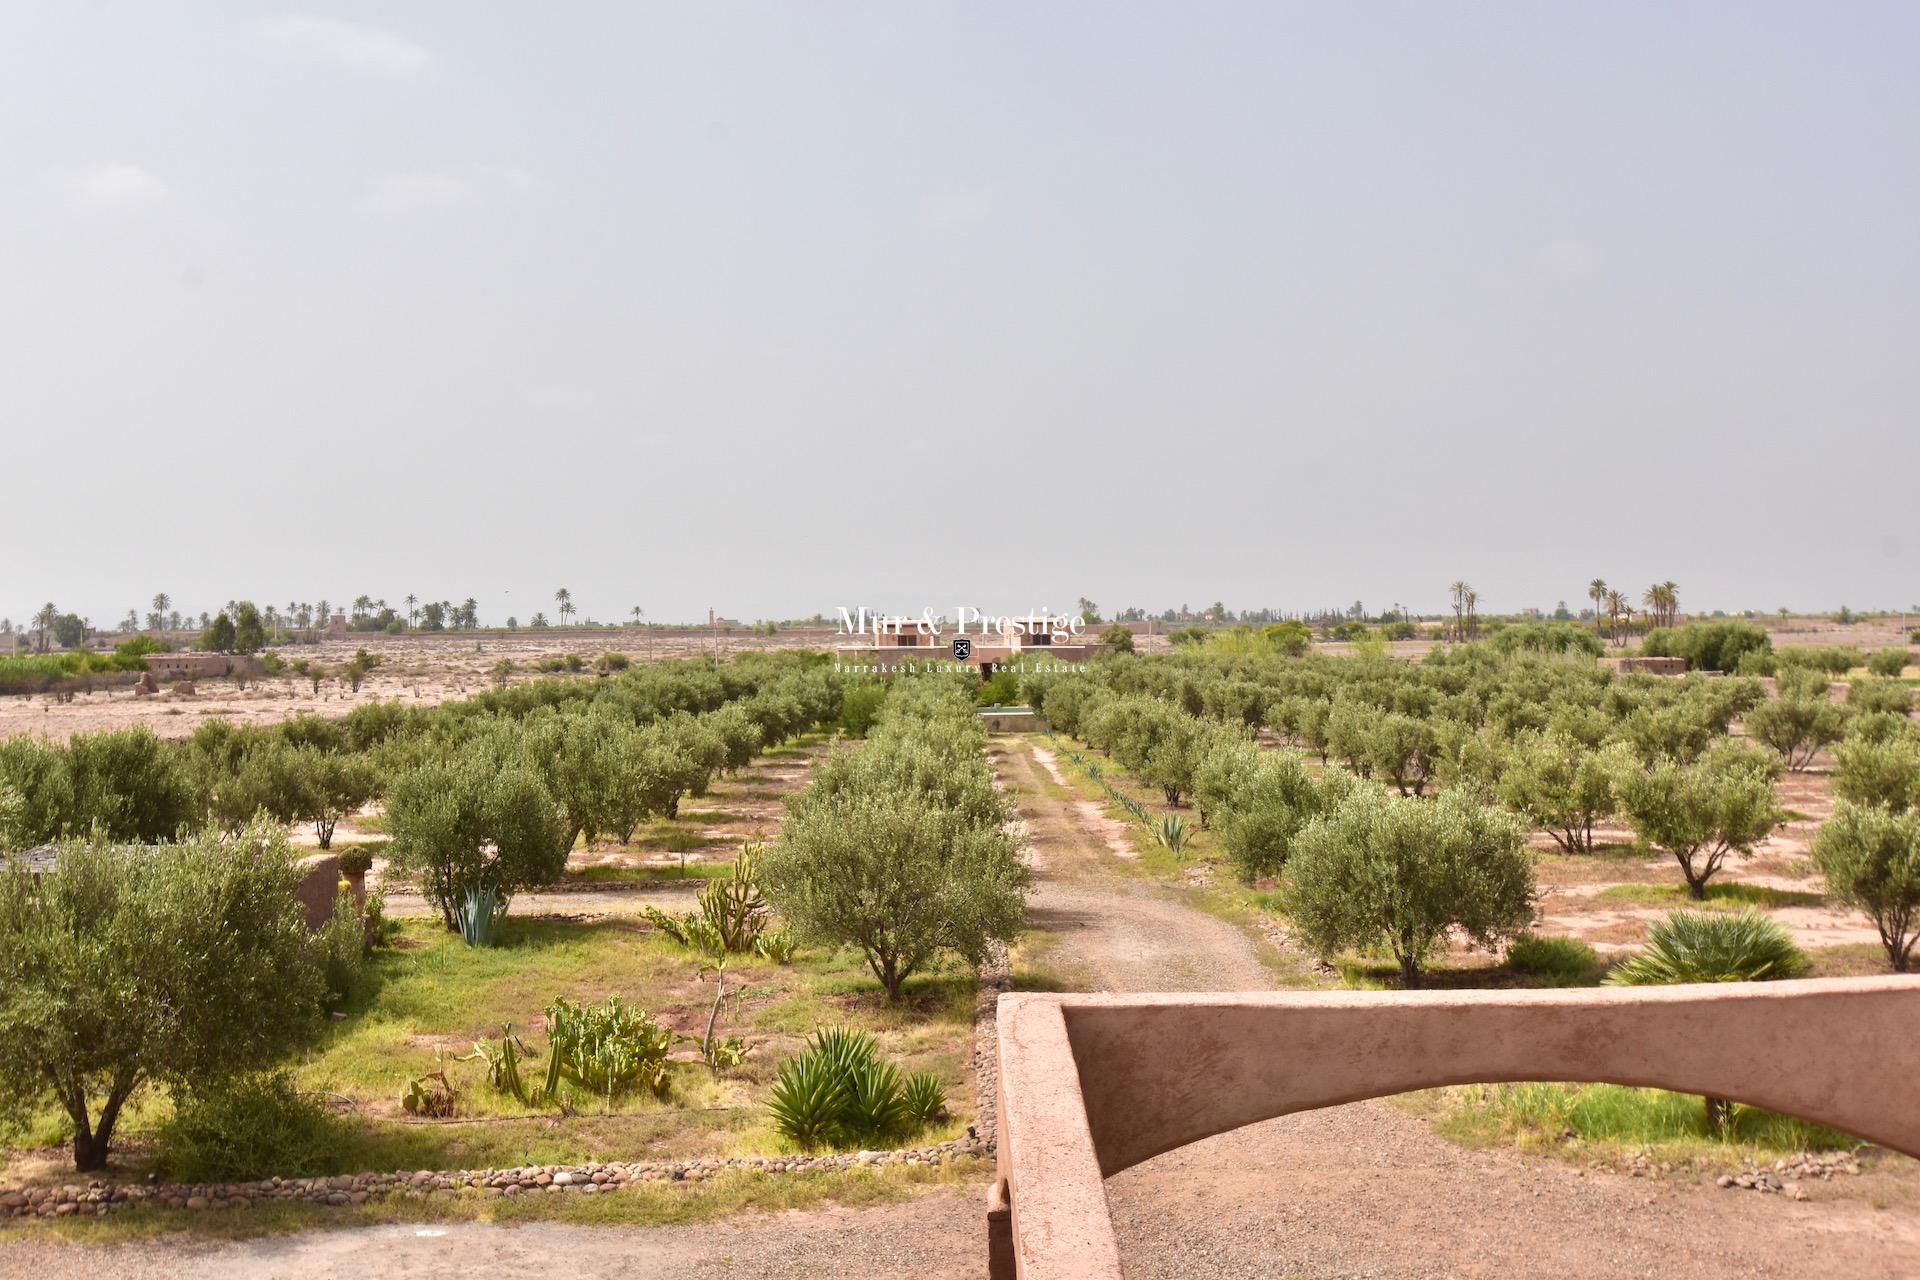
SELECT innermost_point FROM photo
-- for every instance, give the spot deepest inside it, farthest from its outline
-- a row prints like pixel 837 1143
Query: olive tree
pixel 1885 772
pixel 1797 727
pixel 1871 858
pixel 1273 801
pixel 178 964
pixel 472 823
pixel 1700 813
pixel 1562 786
pixel 1381 869
pixel 895 875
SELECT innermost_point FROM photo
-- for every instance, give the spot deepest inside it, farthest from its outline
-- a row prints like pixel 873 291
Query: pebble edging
pixel 100 1198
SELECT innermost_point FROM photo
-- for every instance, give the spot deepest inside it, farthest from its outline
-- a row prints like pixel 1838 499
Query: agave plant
pixel 841 1090
pixel 923 1097
pixel 1172 832
pixel 807 1100
pixel 480 915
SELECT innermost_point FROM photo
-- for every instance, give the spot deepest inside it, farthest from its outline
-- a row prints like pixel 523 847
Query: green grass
pixel 1728 894
pixel 662 1203
pixel 1585 1120
pixel 430 997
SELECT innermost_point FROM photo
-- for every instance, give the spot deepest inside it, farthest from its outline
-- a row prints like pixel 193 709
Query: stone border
pixel 99 1198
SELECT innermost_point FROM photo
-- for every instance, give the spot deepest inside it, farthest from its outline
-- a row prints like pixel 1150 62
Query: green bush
pixel 247 1128
pixel 1871 858
pixel 1398 873
pixel 1834 660
pixel 860 707
pixel 1546 637
pixel 124 966
pixel 840 1091
pixel 1865 697
pixel 1888 663
pixel 1797 727
pixel 1699 814
pixel 1709 646
pixel 343 945
pixel 1557 962
pixel 1884 772
pixel 467 823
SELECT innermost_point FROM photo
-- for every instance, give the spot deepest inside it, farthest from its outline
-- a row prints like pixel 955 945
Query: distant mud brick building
pixel 1011 720
pixel 190 665
pixel 985 653
pixel 1651 666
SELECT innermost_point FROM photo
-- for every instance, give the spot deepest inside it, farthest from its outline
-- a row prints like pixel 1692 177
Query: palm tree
pixel 564 598
pixel 1670 590
pixel 1473 618
pixel 1712 946
pixel 161 602
pixel 43 625
pixel 1616 605
pixel 1597 592
pixel 1459 591
pixel 413 608
pixel 361 604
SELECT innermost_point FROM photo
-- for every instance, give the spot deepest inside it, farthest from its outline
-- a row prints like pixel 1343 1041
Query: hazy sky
pixel 780 307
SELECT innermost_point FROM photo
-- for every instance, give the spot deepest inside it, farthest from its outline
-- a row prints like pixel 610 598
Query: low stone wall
pixel 99 1198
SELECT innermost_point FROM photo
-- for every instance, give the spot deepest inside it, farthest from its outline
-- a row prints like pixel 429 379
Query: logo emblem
pixel 962 648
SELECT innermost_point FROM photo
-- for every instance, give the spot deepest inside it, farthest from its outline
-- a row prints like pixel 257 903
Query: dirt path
pixel 670 897
pixel 1367 1190
pixel 1355 1191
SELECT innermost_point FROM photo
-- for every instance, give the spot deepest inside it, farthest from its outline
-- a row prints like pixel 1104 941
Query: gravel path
pixel 1355 1191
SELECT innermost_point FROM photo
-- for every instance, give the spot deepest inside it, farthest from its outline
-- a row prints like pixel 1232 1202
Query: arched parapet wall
pixel 1091 1085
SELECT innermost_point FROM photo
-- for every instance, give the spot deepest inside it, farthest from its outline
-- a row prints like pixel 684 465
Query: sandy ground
pixel 414 669
pixel 1569 904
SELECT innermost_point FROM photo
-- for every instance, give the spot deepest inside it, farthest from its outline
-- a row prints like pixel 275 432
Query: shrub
pixel 1383 870
pixel 1547 637
pixel 467 824
pixel 130 785
pixel 840 1091
pixel 343 944
pixel 1562 786
pixel 1712 946
pixel 1888 663
pixel 1709 646
pixel 1865 697
pixel 1884 772
pixel 1797 727
pixel 1557 962
pixel 1834 660
pixel 898 877
pixel 1699 814
pixel 123 966
pixel 1269 808
pixel 860 707
pixel 1118 638
pixel 1871 858
pixel 900 847
pixel 246 1128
